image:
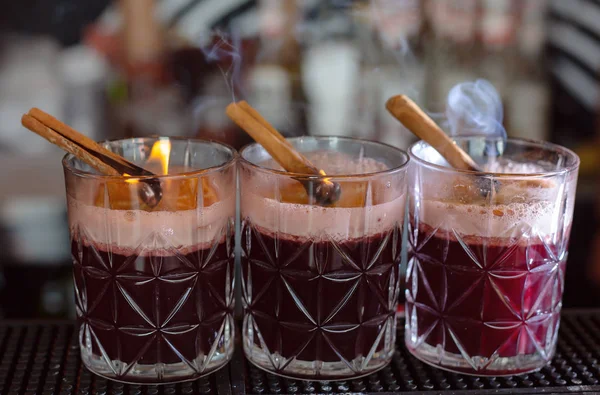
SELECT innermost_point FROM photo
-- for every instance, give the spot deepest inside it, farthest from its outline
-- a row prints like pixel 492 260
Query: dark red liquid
pixel 320 301
pixel 152 307
pixel 493 297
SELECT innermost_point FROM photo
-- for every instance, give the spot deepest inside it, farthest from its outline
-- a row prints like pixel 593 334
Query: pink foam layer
pixel 496 221
pixel 125 230
pixel 519 236
pixel 453 202
pixel 304 222
pixel 152 248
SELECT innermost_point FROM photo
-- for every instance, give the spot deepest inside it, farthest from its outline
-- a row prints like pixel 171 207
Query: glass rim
pixel 303 176
pixel 523 141
pixel 209 170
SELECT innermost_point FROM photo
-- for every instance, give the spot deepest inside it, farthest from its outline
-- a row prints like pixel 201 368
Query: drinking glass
pixel 154 286
pixel 487 255
pixel 321 284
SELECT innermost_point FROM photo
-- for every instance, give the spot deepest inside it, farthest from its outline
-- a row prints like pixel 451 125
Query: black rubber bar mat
pixel 43 358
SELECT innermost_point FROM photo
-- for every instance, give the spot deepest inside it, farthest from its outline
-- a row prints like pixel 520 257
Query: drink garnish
pixel 421 125
pixel 324 191
pixel 87 150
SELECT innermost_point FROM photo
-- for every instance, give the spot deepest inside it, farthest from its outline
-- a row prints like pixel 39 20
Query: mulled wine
pixel 152 308
pixel 340 290
pixel 321 283
pixel 487 256
pixel 154 285
pixel 508 308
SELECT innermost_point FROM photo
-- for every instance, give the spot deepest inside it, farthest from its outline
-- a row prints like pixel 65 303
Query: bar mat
pixel 43 358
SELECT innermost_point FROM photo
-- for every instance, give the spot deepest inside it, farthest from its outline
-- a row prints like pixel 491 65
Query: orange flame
pixel 130 180
pixel 160 154
pixel 325 180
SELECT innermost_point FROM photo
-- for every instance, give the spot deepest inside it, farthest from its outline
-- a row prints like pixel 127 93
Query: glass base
pixel 456 363
pixel 160 373
pixel 315 370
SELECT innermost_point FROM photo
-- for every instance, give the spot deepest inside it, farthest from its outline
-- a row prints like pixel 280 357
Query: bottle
pixel 83 72
pixel 498 50
pixel 452 53
pixel 529 93
pixel 399 27
pixel 330 71
pixel 143 95
pixel 274 81
pixel 368 82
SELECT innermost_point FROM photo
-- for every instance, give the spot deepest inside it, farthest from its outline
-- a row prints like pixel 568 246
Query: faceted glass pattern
pixel 154 284
pixel 154 317
pixel 484 285
pixel 320 309
pixel 320 283
pixel 483 309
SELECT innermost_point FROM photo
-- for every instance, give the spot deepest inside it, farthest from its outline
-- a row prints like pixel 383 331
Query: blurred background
pixel 169 67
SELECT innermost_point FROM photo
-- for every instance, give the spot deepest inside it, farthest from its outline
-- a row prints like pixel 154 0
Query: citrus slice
pixel 293 192
pixel 177 195
pixel 353 194
pixel 209 192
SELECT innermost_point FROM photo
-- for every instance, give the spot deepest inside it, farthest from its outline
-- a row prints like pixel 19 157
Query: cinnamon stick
pixel 88 144
pixel 55 138
pixel 324 191
pixel 272 141
pixel 414 119
pixel 251 111
pixel 92 153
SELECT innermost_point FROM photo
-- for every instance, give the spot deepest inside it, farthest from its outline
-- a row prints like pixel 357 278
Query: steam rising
pixel 475 108
pixel 226 49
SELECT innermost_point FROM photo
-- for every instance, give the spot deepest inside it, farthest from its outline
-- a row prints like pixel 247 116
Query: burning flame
pixel 160 154
pixel 326 180
pixel 130 180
